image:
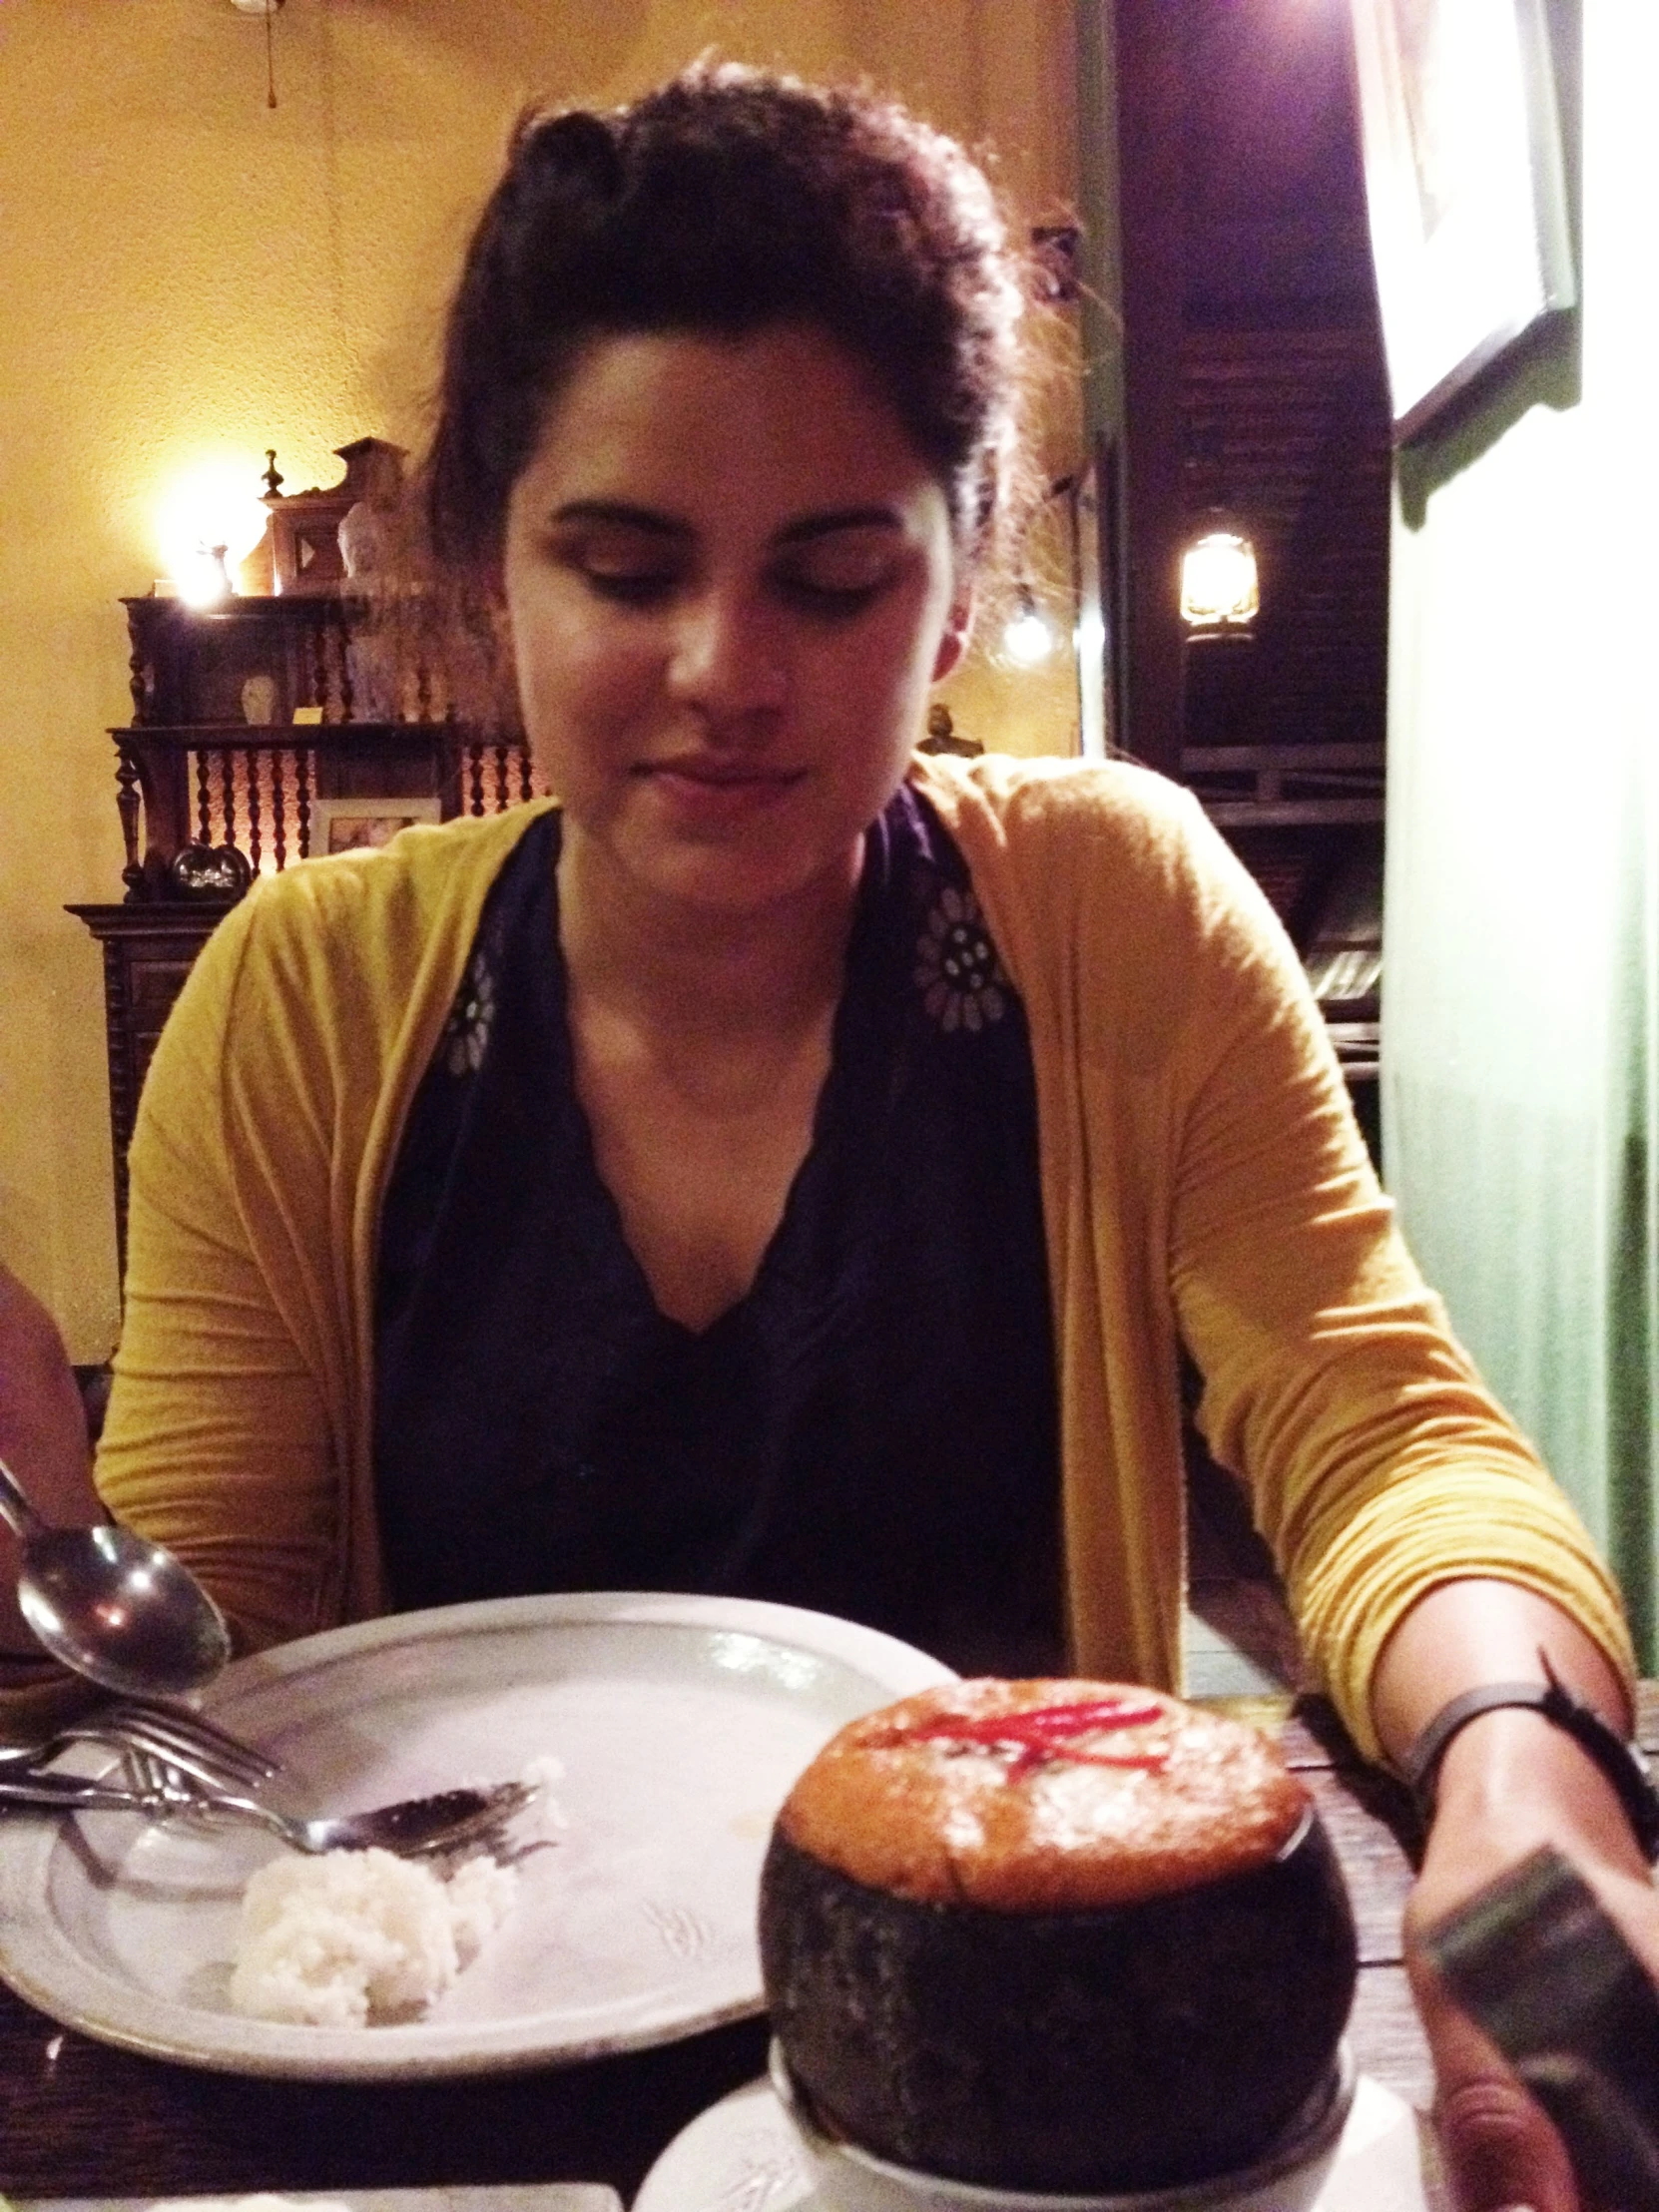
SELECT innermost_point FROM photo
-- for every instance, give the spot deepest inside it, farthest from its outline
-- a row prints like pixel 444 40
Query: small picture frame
pixel 1466 187
pixel 364 824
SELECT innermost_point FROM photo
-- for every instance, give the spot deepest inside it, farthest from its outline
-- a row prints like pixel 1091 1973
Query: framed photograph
pixel 360 824
pixel 1464 187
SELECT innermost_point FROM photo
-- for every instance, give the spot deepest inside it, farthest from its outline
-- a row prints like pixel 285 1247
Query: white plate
pixel 743 2155
pixel 680 1723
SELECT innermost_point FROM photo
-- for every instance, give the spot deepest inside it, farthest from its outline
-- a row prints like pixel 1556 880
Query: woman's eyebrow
pixel 621 514
pixel 841 518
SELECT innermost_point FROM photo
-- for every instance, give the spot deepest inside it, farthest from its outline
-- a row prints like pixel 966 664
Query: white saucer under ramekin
pixel 745 2155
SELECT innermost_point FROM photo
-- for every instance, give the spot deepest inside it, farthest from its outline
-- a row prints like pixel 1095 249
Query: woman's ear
pixel 954 643
pixel 500 622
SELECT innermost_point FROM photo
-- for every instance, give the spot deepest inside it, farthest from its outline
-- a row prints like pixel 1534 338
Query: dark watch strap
pixel 1624 1765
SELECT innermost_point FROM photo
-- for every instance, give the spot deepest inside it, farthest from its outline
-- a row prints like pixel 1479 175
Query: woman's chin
pixel 732 877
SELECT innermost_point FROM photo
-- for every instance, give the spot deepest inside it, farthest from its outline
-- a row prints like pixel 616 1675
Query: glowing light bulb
pixel 1219 584
pixel 210 519
pixel 1028 639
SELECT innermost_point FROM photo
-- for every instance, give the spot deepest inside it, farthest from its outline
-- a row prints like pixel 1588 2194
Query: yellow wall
pixel 185 271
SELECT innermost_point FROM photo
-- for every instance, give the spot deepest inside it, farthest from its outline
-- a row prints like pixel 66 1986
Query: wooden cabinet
pixel 148 952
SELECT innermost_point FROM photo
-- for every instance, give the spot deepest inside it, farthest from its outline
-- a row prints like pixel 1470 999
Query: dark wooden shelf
pixel 149 948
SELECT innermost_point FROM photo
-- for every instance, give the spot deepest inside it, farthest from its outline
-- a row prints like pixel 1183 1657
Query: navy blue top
pixel 870 1430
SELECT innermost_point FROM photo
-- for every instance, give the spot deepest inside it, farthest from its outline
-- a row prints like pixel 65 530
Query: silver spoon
pixel 411 1829
pixel 112 1607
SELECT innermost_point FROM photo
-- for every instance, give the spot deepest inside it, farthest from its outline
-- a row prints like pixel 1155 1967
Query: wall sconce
pixel 1028 635
pixel 1220 586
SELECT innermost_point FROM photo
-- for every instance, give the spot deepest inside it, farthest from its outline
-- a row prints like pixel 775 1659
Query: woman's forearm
pixel 1469 1632
pixel 1509 1772
pixel 43 1436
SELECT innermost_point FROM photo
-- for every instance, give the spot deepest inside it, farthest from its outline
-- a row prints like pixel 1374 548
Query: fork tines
pixel 180 1736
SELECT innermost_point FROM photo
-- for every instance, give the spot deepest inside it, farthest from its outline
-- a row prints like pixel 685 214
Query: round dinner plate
pixel 680 1723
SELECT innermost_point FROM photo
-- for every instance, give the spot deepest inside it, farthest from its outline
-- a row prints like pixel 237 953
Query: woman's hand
pixel 1510 1782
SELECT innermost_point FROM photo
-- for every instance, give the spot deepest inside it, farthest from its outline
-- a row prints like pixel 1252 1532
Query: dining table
pixel 79 2118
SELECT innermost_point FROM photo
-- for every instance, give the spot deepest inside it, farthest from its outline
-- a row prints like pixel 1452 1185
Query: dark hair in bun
pixel 725 201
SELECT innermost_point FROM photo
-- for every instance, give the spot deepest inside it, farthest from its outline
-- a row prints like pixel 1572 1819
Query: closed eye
pixel 830 600
pixel 839 574
pixel 630 557
pixel 630 587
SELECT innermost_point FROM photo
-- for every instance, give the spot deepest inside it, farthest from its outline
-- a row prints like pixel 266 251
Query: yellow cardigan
pixel 1203 1182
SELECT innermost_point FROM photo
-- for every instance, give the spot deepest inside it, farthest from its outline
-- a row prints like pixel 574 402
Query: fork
pixel 174 1740
pixel 413 1829
pixel 181 1728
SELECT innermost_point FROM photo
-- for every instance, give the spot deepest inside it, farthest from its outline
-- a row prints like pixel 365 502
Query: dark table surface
pixel 80 2119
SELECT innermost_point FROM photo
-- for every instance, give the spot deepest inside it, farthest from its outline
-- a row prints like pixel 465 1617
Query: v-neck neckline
pixel 831 1111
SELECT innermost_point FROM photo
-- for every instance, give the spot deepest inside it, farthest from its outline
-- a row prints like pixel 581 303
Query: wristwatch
pixel 1624 1764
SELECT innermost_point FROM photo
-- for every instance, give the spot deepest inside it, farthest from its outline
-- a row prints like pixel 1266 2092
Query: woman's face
pixel 729 581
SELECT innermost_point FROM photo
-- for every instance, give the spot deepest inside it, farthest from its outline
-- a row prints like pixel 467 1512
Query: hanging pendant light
pixel 1028 636
pixel 267 8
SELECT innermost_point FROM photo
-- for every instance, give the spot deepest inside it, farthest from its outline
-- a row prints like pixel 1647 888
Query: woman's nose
pixel 727 657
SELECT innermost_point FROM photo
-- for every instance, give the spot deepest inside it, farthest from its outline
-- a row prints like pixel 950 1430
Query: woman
pixel 704 1183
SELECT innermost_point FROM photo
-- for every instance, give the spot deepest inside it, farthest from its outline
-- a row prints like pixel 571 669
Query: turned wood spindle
pixel 302 797
pixel 251 760
pixel 278 822
pixel 126 807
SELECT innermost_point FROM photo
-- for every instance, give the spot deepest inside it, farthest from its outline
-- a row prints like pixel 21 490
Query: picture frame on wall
pixel 1466 189
pixel 364 824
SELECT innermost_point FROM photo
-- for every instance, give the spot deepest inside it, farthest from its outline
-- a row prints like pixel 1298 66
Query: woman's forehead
pixel 785 413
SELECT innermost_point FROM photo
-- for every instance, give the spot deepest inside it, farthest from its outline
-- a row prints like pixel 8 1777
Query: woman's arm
pixel 1511 1781
pixel 43 1440
pixel 219 1442
pixel 1425 1550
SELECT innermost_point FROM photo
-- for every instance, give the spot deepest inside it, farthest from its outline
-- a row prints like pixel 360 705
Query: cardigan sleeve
pixel 1205 1182
pixel 239 1429
pixel 221 1439
pixel 1378 1463
pixel 240 1432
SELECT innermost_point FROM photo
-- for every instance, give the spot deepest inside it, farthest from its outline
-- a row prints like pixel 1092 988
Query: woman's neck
pixel 707 976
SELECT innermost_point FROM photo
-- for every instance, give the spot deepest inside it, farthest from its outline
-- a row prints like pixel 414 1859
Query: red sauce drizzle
pixel 1042 1735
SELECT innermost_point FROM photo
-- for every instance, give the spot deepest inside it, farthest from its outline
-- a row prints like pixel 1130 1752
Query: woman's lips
pixel 717 792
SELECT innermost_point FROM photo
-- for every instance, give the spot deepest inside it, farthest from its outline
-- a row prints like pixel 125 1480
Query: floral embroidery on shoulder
pixel 466 1034
pixel 962 980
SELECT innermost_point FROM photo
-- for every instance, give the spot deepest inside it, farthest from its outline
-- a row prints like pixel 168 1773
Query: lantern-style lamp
pixel 1220 588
